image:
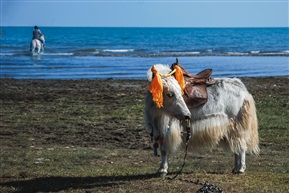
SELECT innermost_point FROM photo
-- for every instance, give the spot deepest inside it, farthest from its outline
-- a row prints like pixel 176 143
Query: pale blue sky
pixel 145 13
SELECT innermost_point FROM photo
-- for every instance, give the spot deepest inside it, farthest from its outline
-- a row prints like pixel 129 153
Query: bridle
pixel 179 77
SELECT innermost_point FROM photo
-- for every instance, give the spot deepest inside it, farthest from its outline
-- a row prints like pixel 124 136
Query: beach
pixel 89 136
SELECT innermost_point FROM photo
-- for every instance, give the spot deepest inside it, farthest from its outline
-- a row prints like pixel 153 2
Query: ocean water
pixel 78 52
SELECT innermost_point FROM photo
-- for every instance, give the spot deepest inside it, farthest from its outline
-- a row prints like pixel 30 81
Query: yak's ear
pixel 156 88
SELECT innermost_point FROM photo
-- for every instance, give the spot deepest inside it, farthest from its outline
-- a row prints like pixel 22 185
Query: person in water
pixel 38 35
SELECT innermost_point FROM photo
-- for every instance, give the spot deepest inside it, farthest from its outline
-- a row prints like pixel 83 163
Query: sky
pixel 145 13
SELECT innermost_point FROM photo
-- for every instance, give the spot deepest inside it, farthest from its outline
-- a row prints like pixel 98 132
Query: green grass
pixel 77 144
pixel 273 118
pixel 273 112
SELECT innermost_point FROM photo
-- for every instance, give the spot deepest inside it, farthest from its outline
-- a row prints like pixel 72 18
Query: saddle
pixel 195 93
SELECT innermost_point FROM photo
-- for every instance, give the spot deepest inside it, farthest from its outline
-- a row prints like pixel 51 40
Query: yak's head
pixel 166 90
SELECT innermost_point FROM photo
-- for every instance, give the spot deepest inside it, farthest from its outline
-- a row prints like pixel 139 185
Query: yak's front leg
pixel 240 163
pixel 163 170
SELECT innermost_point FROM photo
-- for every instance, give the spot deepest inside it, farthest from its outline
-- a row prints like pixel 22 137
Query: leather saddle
pixel 195 93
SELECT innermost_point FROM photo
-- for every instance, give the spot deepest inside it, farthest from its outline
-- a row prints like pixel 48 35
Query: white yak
pixel 227 118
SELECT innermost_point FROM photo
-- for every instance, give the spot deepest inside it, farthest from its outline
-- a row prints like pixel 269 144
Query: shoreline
pixel 131 79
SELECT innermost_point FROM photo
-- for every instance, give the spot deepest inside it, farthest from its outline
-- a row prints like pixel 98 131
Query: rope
pixel 184 163
pixel 206 187
pixel 188 128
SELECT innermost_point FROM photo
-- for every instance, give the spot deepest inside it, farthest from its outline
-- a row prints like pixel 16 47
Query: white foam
pixel 118 50
pixel 236 53
pixel 185 53
pixel 190 53
pixel 254 52
pixel 58 54
pixel 6 54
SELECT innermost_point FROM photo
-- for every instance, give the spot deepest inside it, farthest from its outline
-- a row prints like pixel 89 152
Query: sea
pixel 128 53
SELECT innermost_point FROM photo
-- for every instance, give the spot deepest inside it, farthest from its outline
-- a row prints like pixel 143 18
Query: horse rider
pixel 38 35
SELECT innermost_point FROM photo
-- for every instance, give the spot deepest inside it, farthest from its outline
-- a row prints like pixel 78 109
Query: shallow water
pixel 76 53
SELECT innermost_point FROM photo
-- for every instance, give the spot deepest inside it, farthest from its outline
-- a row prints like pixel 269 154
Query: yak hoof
pixel 238 171
pixel 162 174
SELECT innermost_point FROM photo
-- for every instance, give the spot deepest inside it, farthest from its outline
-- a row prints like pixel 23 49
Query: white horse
pixel 36 46
pixel 228 118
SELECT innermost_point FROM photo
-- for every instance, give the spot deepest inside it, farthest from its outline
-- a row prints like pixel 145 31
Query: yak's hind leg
pixel 246 134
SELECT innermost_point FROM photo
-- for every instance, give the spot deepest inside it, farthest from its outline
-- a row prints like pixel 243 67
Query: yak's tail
pixel 243 133
pixel 250 122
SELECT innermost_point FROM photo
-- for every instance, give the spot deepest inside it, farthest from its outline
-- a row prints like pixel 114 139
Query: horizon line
pixel 149 26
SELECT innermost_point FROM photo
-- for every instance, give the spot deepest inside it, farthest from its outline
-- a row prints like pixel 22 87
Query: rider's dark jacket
pixel 37 34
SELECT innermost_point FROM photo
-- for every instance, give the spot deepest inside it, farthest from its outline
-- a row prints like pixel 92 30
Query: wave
pixel 102 52
pixel 28 54
pixel 254 52
pixel 58 54
pixel 118 50
pixel 6 54
pixel 236 54
pixel 146 53
pixel 184 53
